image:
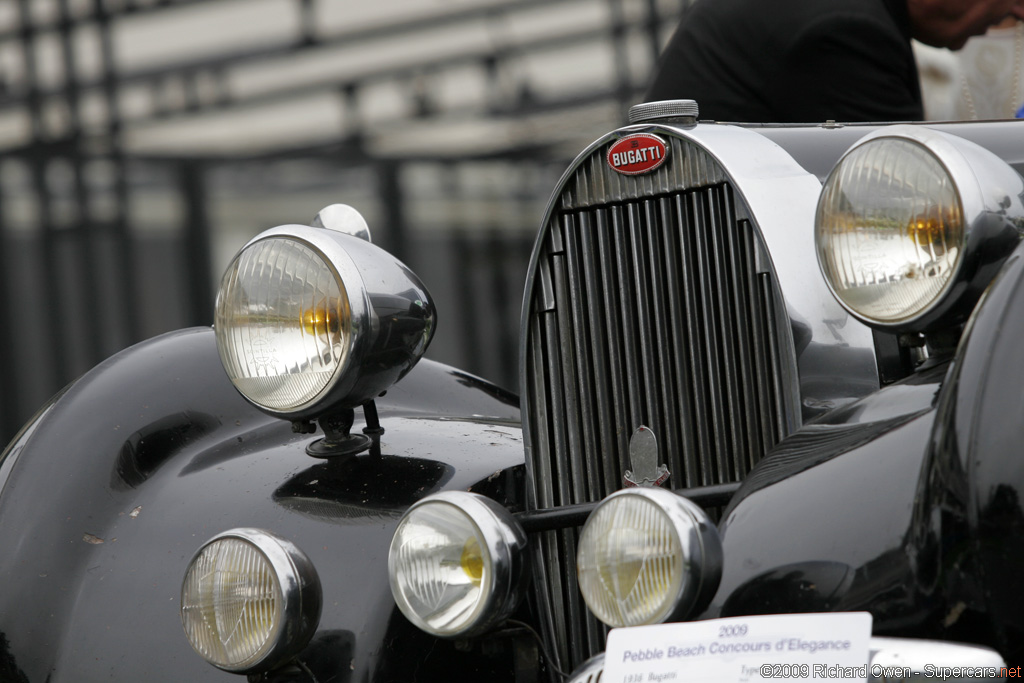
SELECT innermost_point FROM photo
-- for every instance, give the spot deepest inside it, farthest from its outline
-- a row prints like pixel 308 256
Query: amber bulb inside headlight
pixel 889 230
pixel 456 564
pixel 323 320
pixel 283 324
pixel 440 577
pixel 472 561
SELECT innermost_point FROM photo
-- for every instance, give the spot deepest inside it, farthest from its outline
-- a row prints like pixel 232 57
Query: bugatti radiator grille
pixel 653 304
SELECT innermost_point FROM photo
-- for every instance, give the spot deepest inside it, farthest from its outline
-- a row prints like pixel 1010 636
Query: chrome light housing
pixel 457 564
pixel 912 224
pixel 310 318
pixel 249 601
pixel 647 556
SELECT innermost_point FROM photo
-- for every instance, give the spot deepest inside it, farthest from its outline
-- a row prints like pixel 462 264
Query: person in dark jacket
pixel 807 61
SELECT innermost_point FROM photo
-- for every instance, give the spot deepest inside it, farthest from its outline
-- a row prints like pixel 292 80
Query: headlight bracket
pixel 338 439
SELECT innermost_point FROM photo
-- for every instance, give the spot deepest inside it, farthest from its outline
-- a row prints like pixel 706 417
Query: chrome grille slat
pixel 695 343
pixel 627 317
pixel 773 355
pixel 645 327
pixel 660 302
pixel 719 214
pixel 617 374
pixel 570 379
pixel 710 344
pixel 685 462
pixel 736 248
pixel 603 409
pixel 653 304
pixel 762 365
pixel 579 323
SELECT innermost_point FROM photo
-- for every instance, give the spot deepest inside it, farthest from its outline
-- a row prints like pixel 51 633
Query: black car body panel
pixel 153 452
pixel 896 494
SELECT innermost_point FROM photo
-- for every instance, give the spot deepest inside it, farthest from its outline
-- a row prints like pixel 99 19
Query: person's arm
pixel 849 68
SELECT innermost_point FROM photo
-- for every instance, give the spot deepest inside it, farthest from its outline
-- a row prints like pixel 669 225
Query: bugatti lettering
pixel 636 154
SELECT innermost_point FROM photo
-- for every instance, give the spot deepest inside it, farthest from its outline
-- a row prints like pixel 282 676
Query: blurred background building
pixel 142 142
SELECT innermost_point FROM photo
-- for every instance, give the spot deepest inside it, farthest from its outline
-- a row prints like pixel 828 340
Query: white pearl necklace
pixel 1016 96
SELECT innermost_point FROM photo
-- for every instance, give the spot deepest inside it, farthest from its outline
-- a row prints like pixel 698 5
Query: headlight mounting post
pixel 338 440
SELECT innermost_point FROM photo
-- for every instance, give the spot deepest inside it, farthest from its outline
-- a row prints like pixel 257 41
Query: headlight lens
pixel 890 230
pixel 456 564
pixel 645 556
pixel 314 320
pixel 248 600
pixel 284 323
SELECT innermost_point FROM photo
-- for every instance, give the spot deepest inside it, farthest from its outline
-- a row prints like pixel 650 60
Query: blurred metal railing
pixel 104 243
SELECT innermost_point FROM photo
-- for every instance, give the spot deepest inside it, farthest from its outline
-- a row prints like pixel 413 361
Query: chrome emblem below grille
pixel 643 456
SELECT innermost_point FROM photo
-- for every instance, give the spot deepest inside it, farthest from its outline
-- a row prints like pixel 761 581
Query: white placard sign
pixel 816 647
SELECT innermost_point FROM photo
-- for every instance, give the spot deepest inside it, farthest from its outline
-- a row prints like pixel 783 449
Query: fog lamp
pixel 647 556
pixel 249 600
pixel 457 564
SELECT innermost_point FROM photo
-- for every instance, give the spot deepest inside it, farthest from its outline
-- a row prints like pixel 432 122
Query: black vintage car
pixel 764 371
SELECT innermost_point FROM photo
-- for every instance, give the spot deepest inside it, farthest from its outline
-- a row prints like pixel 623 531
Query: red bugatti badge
pixel 637 153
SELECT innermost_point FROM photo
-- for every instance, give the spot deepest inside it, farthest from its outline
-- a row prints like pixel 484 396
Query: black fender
pixel 970 520
pixel 108 493
pixel 906 503
pixel 822 522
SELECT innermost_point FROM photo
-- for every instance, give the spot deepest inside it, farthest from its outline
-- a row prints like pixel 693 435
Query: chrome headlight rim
pixel 326 244
pixel 701 548
pixel 300 592
pixel 972 171
pixel 505 542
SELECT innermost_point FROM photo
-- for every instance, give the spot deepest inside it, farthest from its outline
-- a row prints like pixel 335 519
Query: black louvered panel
pixel 651 310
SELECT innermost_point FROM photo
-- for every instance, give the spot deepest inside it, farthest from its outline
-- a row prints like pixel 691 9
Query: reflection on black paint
pixel 150 447
pixel 328 656
pixel 362 486
pixel 801 587
pixel 9 671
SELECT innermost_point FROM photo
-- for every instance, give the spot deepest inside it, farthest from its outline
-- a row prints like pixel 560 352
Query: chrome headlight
pixel 457 564
pixel 249 600
pixel 910 225
pixel 311 318
pixel 647 556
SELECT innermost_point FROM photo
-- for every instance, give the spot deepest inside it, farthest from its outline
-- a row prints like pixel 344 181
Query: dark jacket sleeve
pixel 848 68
